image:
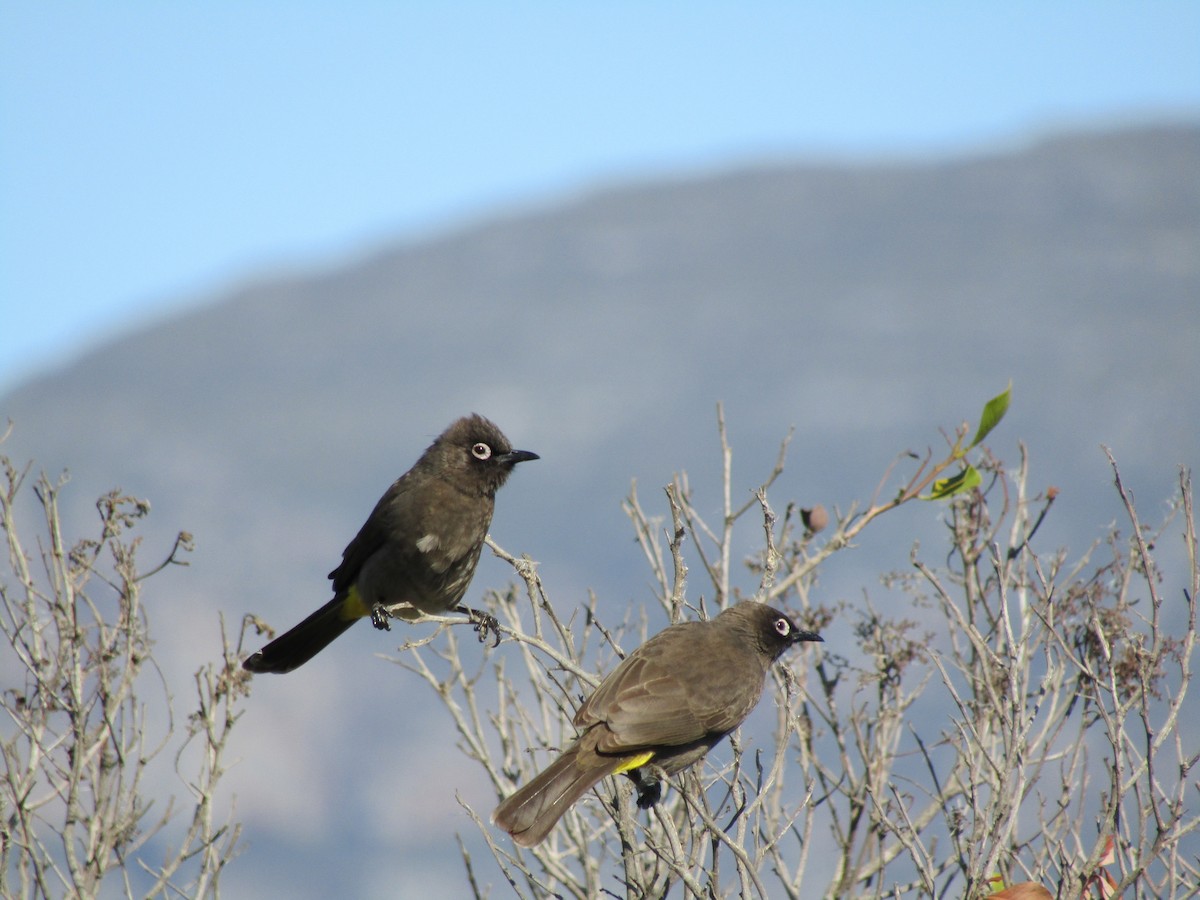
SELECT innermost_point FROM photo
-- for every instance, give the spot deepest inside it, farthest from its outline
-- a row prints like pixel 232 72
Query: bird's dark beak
pixel 799 636
pixel 512 457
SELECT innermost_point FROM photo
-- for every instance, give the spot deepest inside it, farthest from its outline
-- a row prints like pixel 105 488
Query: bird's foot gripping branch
pixel 484 624
pixel 380 617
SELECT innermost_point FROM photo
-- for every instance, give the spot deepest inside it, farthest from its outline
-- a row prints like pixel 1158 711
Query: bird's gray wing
pixel 374 533
pixel 678 687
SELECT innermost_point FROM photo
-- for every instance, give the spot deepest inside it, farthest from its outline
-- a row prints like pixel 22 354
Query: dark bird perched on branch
pixel 417 551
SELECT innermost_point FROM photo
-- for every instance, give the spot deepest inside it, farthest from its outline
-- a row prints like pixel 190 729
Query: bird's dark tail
pixel 297 646
pixel 530 813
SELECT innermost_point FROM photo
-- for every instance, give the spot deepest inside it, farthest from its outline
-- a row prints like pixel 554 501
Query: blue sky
pixel 153 154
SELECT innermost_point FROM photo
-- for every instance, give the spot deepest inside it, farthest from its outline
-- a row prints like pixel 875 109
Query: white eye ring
pixel 481 451
pixel 783 626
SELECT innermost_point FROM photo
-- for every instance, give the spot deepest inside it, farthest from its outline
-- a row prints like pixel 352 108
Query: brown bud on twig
pixel 815 518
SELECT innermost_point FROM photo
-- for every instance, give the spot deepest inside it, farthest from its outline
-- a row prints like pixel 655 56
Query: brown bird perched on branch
pixel 417 551
pixel 666 705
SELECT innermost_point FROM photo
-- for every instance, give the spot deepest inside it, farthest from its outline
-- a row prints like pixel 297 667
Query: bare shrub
pixel 1006 714
pixel 87 712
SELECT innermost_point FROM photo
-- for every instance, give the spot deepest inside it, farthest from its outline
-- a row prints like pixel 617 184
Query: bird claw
pixel 483 622
pixel 379 617
pixel 648 786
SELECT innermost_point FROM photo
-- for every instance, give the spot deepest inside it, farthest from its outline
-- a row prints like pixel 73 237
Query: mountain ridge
pixel 867 305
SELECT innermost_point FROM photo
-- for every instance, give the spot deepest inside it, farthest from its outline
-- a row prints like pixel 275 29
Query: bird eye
pixel 481 451
pixel 783 626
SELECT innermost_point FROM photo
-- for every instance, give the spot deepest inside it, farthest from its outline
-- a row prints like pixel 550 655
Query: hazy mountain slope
pixel 866 305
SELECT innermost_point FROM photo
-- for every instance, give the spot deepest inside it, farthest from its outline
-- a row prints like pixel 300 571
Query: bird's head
pixel 475 450
pixel 772 631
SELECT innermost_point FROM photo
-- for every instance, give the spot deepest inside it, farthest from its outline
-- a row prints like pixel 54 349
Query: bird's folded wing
pixel 369 539
pixel 656 699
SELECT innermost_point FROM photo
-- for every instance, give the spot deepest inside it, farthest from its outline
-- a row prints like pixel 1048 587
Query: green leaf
pixel 993 412
pixel 955 484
